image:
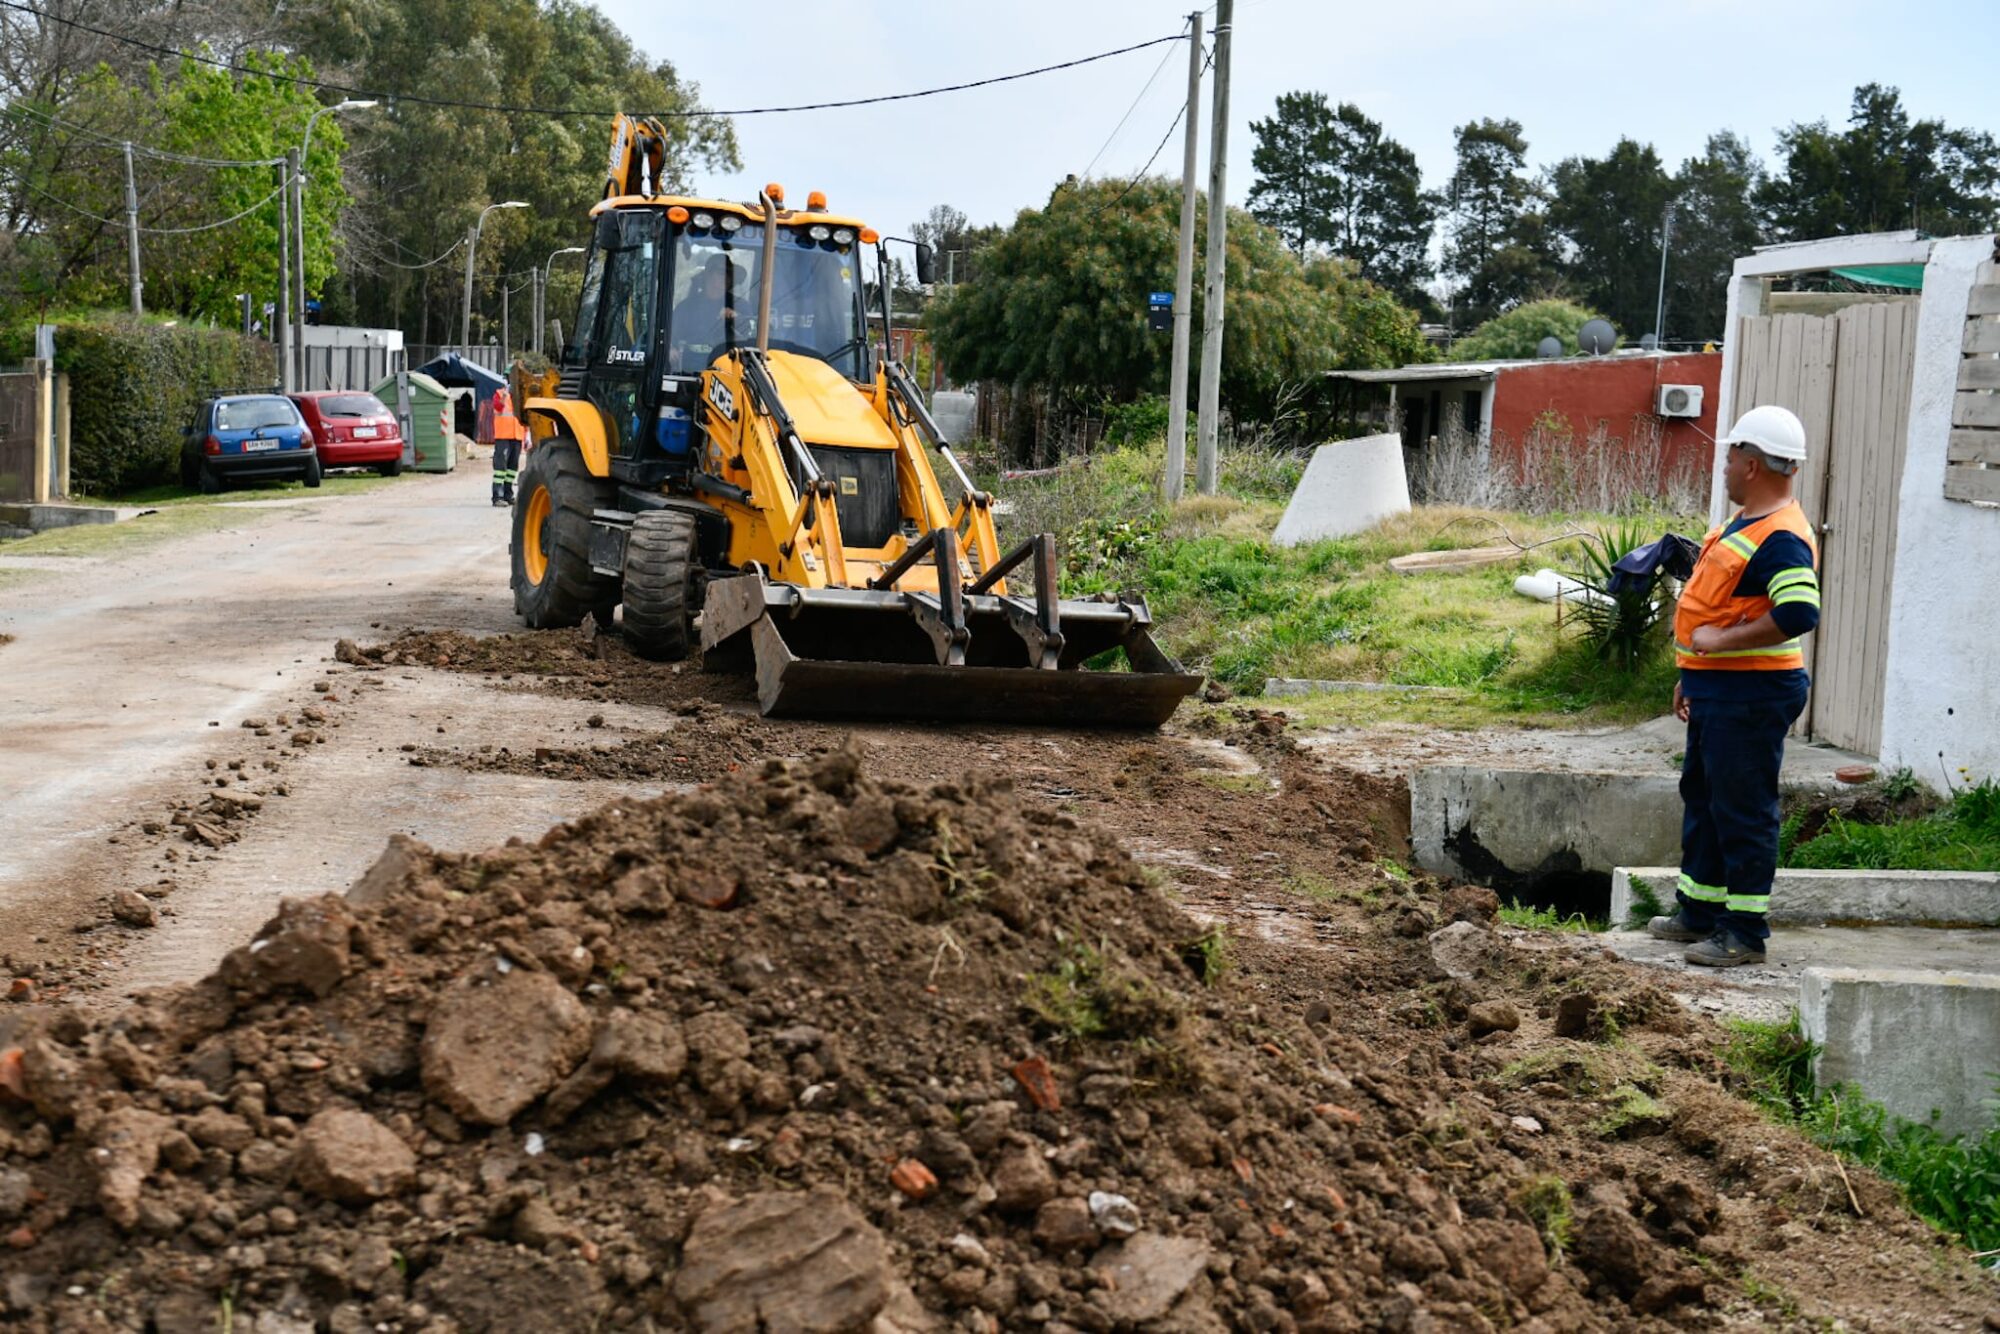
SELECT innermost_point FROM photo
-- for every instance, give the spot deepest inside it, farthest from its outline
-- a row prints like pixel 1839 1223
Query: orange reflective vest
pixel 506 426
pixel 1710 596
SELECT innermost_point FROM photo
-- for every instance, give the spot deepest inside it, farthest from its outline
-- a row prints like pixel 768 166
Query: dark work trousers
pixel 506 465
pixel 1729 833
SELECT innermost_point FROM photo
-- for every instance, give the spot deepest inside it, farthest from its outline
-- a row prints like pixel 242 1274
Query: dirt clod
pixel 777 1261
pixel 497 1041
pixel 351 1157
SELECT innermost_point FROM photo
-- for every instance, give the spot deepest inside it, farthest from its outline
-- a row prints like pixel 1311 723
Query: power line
pixel 1128 112
pixel 348 90
pixel 448 253
pixel 152 231
pixel 163 155
pixel 1140 175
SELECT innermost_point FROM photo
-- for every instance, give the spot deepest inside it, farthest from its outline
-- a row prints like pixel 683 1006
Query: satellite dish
pixel 1650 342
pixel 1597 337
pixel 1549 348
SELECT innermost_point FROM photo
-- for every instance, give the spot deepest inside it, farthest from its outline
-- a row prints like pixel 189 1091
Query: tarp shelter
pixel 431 441
pixel 455 372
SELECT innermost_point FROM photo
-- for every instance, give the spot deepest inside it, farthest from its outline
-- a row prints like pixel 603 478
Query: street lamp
pixel 542 291
pixel 299 222
pixel 471 246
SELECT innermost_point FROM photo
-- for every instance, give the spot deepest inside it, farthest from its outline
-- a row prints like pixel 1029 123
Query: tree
pixel 1883 173
pixel 1497 251
pixel 1715 223
pixel 1060 304
pixel 1519 332
pixel 1330 177
pixel 1607 214
pixel 949 233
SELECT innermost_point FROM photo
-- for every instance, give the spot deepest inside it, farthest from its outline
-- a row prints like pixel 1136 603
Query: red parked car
pixel 353 430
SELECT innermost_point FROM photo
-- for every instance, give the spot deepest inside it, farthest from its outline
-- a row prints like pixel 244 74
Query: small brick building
pixel 1502 403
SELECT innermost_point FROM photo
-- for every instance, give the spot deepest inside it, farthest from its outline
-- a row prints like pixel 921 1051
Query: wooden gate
pixel 1848 377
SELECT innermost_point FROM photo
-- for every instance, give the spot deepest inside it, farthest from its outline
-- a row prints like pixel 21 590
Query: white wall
pixel 1942 707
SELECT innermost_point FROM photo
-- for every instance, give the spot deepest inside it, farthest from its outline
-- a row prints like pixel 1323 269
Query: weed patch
pixel 1963 836
pixel 1953 1181
pixel 1528 917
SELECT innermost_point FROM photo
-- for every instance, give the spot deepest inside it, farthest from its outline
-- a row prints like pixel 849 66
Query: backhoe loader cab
pixel 728 450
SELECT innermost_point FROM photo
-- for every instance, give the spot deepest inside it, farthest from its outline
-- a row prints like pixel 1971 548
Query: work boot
pixel 1674 927
pixel 1722 950
pixel 507 494
pixel 497 501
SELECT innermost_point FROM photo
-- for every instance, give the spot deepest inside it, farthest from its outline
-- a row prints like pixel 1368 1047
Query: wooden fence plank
pixel 1973 447
pixel 1976 410
pixel 1972 484
pixel 1984 300
pixel 1979 373
pixel 1982 335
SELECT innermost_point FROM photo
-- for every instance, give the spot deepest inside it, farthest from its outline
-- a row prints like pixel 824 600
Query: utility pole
pixel 282 314
pixel 1184 275
pixel 536 304
pixel 506 318
pixel 1660 306
pixel 132 234
pixel 299 267
pixel 465 323
pixel 1209 417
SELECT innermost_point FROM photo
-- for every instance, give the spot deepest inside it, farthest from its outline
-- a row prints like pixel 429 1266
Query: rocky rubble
pixel 803 1052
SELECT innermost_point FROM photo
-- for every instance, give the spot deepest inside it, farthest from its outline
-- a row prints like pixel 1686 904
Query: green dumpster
pixel 429 424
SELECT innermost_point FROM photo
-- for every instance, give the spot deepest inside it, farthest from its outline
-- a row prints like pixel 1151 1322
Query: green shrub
pixel 1964 836
pixel 133 385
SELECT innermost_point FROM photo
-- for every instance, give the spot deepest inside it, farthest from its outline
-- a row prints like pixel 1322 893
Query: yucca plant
pixel 1624 626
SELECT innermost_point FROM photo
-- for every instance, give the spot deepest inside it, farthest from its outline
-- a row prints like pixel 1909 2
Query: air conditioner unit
pixel 1678 400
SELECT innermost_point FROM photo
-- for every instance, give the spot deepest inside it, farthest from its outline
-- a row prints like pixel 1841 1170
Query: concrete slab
pixel 41 518
pixel 1847 898
pixel 955 411
pixel 1918 1041
pixel 1515 828
pixel 1348 486
pixel 1770 990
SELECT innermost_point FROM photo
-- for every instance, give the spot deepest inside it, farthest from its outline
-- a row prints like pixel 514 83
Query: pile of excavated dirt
pixel 808 1051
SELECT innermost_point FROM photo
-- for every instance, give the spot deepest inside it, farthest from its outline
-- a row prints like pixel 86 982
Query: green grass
pixel 159 497
pixel 1532 918
pixel 180 515
pixel 1962 836
pixel 1546 1202
pixel 1229 604
pixel 1646 903
pixel 1951 1181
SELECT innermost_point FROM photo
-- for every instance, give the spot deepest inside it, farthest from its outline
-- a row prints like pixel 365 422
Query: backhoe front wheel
pixel 554 585
pixel 663 584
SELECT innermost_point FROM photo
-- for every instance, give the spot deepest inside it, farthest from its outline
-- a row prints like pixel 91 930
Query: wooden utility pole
pixel 1177 385
pixel 1218 240
pixel 299 268
pixel 132 235
pixel 282 314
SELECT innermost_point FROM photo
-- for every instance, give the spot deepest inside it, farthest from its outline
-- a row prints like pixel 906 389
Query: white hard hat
pixel 1771 430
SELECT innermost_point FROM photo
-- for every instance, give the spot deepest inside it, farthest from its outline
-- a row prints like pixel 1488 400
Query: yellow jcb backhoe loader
pixel 725 449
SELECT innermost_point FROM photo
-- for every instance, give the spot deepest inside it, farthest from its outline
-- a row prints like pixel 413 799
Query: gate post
pixel 38 483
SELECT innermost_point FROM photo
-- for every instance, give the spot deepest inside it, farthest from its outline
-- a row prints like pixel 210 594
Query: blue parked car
pixel 237 437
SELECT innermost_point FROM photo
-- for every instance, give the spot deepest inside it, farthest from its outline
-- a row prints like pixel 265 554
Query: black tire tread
pixel 660 572
pixel 570 589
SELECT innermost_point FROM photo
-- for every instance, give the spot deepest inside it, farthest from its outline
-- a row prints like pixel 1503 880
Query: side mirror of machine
pixel 926 265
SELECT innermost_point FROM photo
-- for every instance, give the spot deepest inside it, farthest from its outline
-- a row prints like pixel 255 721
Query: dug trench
pixel 900 1029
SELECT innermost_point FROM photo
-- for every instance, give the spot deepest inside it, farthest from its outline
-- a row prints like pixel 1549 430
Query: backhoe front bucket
pixel 877 653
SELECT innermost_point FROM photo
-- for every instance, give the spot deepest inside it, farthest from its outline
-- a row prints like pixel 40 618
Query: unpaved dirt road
pixel 124 690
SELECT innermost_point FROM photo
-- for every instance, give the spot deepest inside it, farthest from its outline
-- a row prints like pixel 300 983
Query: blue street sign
pixel 1160 299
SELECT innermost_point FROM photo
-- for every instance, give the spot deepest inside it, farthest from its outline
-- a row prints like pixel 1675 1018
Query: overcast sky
pixel 1577 74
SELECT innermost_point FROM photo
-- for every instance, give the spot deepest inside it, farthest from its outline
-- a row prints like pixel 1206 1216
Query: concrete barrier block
pixel 1510 827
pixel 1347 487
pixel 1847 898
pixel 1915 1041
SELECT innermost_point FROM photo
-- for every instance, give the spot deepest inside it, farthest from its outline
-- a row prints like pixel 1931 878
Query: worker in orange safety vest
pixel 506 447
pixel 1753 594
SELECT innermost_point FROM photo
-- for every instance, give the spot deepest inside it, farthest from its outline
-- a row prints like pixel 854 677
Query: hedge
pixel 134 385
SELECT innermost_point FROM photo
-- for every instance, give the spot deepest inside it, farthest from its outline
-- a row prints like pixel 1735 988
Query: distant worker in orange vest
pixel 1753 594
pixel 506 447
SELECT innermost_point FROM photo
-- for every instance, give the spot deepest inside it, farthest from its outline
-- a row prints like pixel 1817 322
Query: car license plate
pixel 364 433
pixel 258 446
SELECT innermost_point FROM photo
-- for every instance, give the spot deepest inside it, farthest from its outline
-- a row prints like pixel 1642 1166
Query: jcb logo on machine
pixel 850 486
pixel 724 401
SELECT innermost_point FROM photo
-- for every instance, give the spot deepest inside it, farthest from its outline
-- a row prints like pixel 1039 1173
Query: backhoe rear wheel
pixel 663 584
pixel 554 585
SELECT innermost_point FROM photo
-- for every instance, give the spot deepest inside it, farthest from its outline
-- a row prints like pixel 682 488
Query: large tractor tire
pixel 663 583
pixel 554 585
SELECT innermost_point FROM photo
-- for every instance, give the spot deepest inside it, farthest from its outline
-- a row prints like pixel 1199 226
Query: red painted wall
pixel 1616 392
